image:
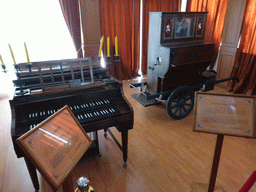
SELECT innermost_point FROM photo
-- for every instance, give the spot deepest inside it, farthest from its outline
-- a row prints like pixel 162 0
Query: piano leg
pixel 125 146
pixel 32 173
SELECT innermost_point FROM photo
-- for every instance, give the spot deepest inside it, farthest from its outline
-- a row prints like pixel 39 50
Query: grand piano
pixel 96 100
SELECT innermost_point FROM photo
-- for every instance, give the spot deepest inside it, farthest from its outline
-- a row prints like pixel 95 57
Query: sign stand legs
pixel 216 160
pixel 32 173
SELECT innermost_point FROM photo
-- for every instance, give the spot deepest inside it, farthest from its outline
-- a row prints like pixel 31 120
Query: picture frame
pixel 183 27
pixel 55 146
pixel 227 114
pixel 168 29
pixel 200 25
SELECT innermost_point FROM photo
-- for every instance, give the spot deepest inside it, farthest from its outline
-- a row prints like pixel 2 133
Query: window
pixel 38 23
pixel 41 25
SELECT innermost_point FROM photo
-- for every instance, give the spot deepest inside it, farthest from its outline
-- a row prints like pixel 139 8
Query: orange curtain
pixel 121 18
pixel 245 63
pixel 215 20
pixel 151 6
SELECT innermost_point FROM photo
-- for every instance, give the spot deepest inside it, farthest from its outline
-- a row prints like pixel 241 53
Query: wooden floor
pixel 163 155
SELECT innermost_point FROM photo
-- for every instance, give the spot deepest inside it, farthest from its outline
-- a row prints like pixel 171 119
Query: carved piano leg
pixel 125 146
pixel 32 173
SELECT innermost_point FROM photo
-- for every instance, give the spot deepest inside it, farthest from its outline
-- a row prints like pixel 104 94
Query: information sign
pixel 227 114
pixel 55 146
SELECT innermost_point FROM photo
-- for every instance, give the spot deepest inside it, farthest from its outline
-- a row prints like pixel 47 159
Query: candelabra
pixel 29 66
pixel 19 82
pixel 4 68
pixel 116 61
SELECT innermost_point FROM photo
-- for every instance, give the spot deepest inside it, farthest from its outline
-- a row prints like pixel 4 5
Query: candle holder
pixel 4 68
pixel 19 82
pixel 29 66
pixel 117 59
pixel 108 68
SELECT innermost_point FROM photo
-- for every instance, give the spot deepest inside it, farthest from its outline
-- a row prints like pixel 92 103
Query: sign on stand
pixel 223 114
pixel 55 146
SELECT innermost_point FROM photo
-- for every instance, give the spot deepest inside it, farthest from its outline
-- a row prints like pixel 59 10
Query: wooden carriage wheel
pixel 180 102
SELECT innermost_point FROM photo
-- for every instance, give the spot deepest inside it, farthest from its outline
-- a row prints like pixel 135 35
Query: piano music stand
pixel 54 147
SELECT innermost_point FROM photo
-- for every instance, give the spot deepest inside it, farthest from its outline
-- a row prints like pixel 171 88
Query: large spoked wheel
pixel 180 102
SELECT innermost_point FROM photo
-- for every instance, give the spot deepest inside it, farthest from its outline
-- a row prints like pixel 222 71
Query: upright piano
pixel 96 100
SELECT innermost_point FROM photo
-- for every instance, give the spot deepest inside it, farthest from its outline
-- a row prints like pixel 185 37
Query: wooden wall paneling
pixel 90 27
pixel 230 38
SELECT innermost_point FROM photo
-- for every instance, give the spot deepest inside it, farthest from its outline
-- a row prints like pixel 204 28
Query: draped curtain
pixel 245 62
pixel 121 18
pixel 70 10
pixel 151 6
pixel 215 20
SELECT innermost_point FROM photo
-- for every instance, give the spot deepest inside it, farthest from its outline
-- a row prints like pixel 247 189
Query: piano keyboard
pixel 83 112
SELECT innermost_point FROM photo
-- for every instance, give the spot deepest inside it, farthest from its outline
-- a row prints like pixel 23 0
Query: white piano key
pixel 31 126
pixel 75 107
pixel 85 115
pixel 44 113
pixel 78 116
pixel 29 116
pixel 71 108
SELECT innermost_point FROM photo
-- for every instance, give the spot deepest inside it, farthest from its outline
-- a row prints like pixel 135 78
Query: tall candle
pixel 116 46
pixel 26 52
pixel 101 45
pixel 12 55
pixel 1 59
pixel 108 41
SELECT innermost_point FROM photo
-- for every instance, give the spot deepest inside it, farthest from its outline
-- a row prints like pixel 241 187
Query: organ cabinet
pixel 177 53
